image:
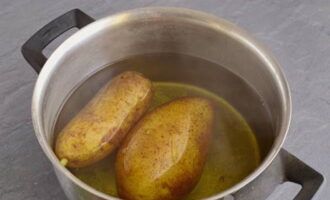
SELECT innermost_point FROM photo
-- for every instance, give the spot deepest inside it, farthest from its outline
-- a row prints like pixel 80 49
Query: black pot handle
pixel 285 167
pixel 32 49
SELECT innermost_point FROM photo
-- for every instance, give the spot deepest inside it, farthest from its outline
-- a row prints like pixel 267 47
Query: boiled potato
pixel 101 125
pixel 163 155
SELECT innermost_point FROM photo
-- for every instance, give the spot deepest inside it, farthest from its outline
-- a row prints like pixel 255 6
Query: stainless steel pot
pixel 157 30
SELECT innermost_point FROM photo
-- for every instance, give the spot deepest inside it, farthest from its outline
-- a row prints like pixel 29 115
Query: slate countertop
pixel 297 32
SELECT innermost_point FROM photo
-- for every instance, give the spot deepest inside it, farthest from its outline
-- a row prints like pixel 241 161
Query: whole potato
pixel 163 155
pixel 101 125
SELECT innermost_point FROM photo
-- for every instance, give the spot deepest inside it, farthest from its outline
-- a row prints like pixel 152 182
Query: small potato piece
pixel 164 154
pixel 101 125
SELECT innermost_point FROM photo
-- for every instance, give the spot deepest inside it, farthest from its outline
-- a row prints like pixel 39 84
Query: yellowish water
pixel 234 152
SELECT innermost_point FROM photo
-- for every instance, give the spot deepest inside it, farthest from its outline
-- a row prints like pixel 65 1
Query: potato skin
pixel 101 125
pixel 164 154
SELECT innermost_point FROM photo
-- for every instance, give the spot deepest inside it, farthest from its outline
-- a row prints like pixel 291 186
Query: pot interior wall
pixel 114 39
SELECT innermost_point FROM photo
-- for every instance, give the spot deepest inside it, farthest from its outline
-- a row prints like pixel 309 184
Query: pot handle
pixel 285 167
pixel 32 48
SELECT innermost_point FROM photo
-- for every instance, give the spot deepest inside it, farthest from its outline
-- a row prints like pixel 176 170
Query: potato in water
pixel 163 155
pixel 101 125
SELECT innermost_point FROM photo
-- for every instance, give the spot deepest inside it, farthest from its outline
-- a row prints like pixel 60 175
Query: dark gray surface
pixel 296 31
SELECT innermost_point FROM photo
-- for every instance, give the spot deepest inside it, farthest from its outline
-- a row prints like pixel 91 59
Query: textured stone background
pixel 296 31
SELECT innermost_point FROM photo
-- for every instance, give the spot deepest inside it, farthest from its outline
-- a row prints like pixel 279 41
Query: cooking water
pixel 234 153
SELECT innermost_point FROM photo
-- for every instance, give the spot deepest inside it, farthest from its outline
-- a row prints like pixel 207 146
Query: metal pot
pixel 157 30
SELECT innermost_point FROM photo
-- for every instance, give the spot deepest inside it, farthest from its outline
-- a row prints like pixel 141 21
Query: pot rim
pixel 186 14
